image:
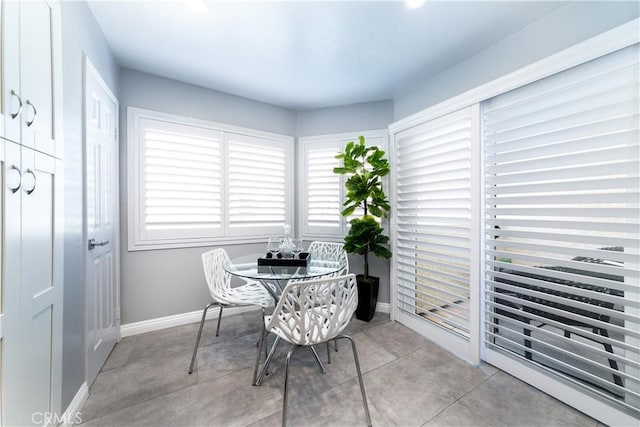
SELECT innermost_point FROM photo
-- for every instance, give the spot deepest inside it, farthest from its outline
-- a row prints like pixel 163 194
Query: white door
pixel 101 109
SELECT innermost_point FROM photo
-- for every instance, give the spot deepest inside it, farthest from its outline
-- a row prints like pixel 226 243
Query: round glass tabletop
pixel 247 266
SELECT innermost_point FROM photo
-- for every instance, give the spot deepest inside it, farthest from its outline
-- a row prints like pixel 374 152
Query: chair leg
pixel 263 338
pixel 195 349
pixel 286 388
pixel 612 363
pixel 527 343
pixel 357 361
pixel 219 320
pixel 265 369
pixel 315 354
pixel 328 353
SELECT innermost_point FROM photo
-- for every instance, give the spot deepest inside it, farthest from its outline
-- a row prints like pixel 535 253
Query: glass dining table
pixel 274 279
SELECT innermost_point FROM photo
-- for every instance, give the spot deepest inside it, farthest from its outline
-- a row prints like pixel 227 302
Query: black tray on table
pixel 283 265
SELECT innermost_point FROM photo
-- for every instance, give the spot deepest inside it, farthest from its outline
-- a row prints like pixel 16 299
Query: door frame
pixel 88 67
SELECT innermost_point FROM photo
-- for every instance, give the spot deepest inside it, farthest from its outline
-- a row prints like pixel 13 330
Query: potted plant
pixel 365 168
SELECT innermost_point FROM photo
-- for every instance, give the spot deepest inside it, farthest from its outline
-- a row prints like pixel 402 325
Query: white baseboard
pixel 136 328
pixel 383 307
pixel 73 414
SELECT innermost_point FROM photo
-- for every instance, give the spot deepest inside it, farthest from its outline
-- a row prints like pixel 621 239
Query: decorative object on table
pixel 287 247
pixel 273 246
pixel 298 246
pixel 365 168
pixel 284 265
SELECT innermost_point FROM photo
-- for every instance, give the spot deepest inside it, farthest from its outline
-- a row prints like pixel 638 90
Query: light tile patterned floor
pixel 409 380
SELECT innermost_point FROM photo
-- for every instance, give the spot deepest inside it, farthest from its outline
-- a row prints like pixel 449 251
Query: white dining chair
pixel 224 295
pixel 313 312
pixel 329 252
pixel 321 253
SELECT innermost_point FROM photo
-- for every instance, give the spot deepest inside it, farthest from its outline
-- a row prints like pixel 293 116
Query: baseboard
pixel 136 328
pixel 73 414
pixel 383 307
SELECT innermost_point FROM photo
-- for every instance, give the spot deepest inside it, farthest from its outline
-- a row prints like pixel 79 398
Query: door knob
pixel 93 243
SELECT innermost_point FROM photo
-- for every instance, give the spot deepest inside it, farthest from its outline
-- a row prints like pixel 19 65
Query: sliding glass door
pixel 436 233
pixel 516 232
pixel 562 226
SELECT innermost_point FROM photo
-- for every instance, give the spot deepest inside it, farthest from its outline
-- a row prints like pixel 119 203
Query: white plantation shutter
pixel 433 221
pixel 323 195
pixel 562 162
pixel 180 181
pixel 195 183
pixel 322 191
pixel 258 183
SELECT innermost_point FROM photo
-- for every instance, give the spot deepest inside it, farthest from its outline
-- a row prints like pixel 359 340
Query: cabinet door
pixel 11 104
pixel 41 297
pixel 1 94
pixel 37 75
pixel 31 285
pixel 12 367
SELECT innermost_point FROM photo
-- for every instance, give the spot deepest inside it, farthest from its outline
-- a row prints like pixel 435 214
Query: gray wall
pixel 348 118
pixel 576 22
pixel 80 34
pixel 165 282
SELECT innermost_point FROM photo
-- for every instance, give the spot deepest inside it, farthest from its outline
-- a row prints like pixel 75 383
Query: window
pixel 257 183
pixel 321 191
pixel 193 182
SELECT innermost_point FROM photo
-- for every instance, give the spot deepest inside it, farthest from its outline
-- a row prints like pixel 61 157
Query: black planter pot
pixel 367 297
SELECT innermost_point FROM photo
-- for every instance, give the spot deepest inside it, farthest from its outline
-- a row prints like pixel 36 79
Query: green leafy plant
pixel 365 168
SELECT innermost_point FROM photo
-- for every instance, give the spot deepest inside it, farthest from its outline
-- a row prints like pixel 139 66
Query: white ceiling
pixel 304 54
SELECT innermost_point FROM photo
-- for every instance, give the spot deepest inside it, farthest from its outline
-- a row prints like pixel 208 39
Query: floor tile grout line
pixel 459 398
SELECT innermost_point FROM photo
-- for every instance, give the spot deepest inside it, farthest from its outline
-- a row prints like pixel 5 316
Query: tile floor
pixel 409 381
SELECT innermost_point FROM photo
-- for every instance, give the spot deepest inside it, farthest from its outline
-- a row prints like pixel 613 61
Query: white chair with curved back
pixel 329 252
pixel 223 294
pixel 313 312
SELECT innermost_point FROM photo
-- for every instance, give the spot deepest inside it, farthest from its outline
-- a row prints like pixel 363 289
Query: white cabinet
pixel 31 96
pixel 31 285
pixel 31 213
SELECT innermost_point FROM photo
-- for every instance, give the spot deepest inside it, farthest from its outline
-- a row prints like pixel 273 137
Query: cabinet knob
pixel 17 113
pixel 35 112
pixel 29 185
pixel 14 178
